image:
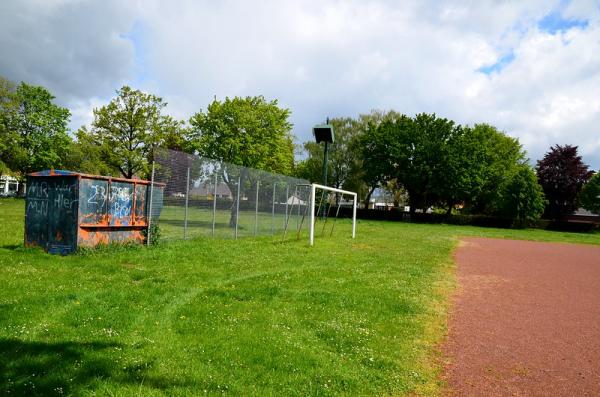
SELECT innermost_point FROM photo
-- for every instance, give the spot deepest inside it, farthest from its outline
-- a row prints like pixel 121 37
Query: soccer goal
pixel 322 200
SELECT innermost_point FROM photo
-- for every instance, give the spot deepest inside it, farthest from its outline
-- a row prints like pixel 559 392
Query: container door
pixel 37 203
pixel 62 215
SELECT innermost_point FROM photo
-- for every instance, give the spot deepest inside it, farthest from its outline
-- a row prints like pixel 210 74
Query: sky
pixel 531 68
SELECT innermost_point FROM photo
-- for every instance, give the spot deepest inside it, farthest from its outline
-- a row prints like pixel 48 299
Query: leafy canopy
pixel 440 163
pixel 251 132
pixel 497 157
pixel 33 129
pixel 562 174
pixel 373 165
pixel 341 159
pixel 590 195
pixel 129 128
pixel 523 198
pixel 8 106
pixel 413 151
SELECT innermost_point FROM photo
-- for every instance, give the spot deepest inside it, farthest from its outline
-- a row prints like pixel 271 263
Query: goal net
pixel 325 205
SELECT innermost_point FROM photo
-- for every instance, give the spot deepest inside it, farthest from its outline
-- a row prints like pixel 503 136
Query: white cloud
pixel 324 58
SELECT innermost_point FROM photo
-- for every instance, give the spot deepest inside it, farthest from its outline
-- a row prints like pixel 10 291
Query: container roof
pixel 73 173
pixel 53 173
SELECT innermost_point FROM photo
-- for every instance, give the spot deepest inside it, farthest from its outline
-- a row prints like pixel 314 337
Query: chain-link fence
pixel 195 196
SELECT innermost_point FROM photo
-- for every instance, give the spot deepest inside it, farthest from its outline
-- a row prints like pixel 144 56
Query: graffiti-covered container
pixel 65 210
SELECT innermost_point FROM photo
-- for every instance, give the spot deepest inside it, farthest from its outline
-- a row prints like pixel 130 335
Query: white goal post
pixel 313 190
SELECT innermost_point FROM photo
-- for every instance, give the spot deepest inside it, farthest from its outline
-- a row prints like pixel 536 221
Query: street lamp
pixel 324 133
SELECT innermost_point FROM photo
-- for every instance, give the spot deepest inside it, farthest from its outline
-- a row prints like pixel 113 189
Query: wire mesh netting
pixel 195 196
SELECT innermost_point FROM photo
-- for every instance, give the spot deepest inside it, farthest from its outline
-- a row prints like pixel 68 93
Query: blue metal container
pixel 65 210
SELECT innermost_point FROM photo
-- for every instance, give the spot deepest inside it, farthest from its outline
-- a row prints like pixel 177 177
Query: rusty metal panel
pixel 140 211
pixel 120 204
pixel 91 237
pixel 93 201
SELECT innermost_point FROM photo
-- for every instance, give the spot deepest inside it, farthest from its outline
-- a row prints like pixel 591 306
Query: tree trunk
pixel 449 210
pixel 368 198
pixel 21 190
pixel 412 203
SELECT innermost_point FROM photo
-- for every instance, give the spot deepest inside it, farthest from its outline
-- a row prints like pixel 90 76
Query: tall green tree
pixel 248 132
pixel 8 107
pixel 366 173
pixel 339 158
pixel 86 155
pixel 461 169
pixel 562 175
pixel 496 158
pixel 589 198
pixel 129 128
pixel 34 129
pixel 346 166
pixel 415 152
pixel 522 197
pixel 251 132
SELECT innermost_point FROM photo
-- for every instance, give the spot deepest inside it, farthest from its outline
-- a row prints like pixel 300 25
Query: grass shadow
pixel 36 368
pixel 11 247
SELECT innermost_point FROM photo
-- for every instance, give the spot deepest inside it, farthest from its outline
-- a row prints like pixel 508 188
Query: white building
pixel 9 186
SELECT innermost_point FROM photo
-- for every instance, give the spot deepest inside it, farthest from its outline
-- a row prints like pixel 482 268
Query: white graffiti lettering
pixel 121 210
pixel 38 206
pixel 63 187
pixel 120 199
pixel 62 202
pixel 99 195
pixel 37 189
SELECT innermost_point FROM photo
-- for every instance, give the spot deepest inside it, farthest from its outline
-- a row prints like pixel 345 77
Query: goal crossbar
pixel 313 189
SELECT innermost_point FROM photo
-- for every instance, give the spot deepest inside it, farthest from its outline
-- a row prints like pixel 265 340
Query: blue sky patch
pixel 555 22
pixel 137 37
pixel 499 65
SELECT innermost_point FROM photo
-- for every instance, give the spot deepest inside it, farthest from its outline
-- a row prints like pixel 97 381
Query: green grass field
pixel 200 223
pixel 245 317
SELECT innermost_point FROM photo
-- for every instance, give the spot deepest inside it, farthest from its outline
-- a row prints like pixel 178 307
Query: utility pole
pixel 325 158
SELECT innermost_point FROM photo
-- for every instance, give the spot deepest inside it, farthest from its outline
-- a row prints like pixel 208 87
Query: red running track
pixel 525 321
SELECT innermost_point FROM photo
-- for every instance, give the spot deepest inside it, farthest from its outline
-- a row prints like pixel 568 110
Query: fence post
pixel 311 233
pixel 354 217
pixel 148 234
pixel 187 194
pixel 273 211
pixel 287 195
pixel 214 218
pixel 288 216
pixel 298 217
pixel 237 206
pixel 256 208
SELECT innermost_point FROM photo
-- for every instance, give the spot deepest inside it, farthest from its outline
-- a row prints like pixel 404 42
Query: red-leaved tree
pixel 562 174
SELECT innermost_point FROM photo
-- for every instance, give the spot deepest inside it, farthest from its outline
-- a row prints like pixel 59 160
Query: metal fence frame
pixel 261 198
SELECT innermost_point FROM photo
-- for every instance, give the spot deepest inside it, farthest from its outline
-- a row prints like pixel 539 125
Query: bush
pixel 589 198
pixel 574 227
pixel 155 234
pixel 522 198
